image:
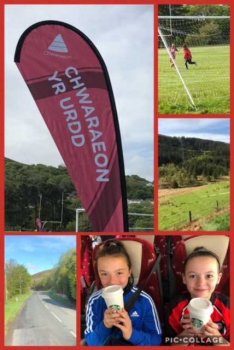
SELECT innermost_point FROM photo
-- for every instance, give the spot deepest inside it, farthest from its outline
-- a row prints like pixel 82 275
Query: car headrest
pixel 134 250
pixel 142 256
pixel 217 244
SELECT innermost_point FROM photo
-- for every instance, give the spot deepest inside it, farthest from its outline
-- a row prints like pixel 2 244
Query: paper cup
pixel 113 296
pixel 200 310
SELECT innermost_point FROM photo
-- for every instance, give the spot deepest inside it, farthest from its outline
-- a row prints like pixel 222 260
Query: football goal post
pixel 206 76
pixel 80 212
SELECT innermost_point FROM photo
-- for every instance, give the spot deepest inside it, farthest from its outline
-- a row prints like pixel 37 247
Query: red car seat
pixel 164 246
pixel 143 257
pixel 86 269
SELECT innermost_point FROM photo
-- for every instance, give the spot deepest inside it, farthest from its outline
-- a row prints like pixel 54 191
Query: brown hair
pixel 200 252
pixel 115 248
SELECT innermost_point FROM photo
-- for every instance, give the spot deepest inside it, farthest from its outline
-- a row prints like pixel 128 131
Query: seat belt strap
pixel 136 295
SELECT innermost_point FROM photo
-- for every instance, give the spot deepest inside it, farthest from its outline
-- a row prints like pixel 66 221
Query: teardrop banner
pixel 69 81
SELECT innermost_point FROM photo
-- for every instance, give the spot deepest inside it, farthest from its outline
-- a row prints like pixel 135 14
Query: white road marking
pixel 56 316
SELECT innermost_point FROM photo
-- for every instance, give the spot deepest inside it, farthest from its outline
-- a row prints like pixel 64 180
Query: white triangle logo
pixel 58 44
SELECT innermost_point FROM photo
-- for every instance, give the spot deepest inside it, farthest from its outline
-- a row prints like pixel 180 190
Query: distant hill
pixel 178 150
pixel 43 280
pixel 41 275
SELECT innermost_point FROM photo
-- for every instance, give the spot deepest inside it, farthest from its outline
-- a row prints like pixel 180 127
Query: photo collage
pixel 117 162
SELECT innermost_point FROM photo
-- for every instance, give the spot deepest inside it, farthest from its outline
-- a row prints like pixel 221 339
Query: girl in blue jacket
pixel 105 326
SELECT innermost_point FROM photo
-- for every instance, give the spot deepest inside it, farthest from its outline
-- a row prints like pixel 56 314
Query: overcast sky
pixel 38 253
pixel 123 34
pixel 203 128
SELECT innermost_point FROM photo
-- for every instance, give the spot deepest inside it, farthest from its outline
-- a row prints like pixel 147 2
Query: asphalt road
pixel 44 321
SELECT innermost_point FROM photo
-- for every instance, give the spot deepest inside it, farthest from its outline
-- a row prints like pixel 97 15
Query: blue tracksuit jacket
pixel 144 317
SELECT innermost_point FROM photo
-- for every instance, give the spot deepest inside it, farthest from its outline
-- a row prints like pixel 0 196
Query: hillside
pixel 34 191
pixel 42 274
pixel 191 161
pixel 177 150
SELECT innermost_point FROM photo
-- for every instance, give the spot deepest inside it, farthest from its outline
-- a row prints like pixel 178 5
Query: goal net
pixel 199 82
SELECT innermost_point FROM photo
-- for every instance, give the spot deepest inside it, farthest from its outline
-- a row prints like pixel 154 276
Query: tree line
pixel 47 192
pixel 61 279
pixel 18 280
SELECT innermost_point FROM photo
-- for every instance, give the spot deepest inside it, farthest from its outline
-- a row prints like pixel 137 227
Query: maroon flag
pixel 68 79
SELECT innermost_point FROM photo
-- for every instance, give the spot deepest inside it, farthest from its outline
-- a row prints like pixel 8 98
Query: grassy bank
pixel 14 305
pixel 221 223
pixel 203 203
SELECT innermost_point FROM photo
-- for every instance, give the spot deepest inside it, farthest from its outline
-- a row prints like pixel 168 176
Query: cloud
pixel 206 128
pixel 38 253
pixel 57 242
pixel 123 35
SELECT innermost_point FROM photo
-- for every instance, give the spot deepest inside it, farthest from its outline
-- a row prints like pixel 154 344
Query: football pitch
pixel 208 82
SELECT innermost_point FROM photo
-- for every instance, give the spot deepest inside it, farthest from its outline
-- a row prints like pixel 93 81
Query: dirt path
pixel 176 191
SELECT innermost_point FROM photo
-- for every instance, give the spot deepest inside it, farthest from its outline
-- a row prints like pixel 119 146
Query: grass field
pixel 205 202
pixel 208 82
pixel 220 223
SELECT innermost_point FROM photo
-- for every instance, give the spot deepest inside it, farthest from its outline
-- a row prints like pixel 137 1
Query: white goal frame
pixel 169 53
pixel 82 210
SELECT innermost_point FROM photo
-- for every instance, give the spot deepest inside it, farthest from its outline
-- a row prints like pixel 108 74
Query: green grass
pixel 221 223
pixel 208 82
pixel 174 209
pixel 14 305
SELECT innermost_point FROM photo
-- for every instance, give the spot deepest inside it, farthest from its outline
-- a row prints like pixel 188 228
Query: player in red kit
pixel 187 56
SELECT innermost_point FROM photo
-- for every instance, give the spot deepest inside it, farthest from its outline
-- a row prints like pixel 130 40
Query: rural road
pixel 43 321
